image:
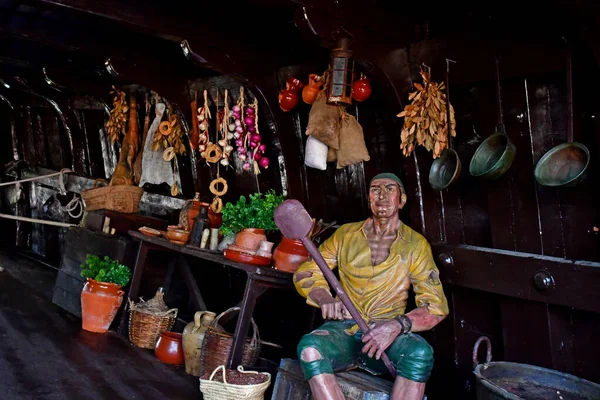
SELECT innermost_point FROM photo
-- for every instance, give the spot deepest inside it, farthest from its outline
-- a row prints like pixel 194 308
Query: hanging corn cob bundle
pixel 425 118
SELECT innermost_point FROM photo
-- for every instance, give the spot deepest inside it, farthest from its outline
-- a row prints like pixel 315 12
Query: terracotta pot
pixel 289 254
pixel 310 91
pixel 193 336
pixel 288 99
pixel 100 302
pixel 169 348
pixel 250 238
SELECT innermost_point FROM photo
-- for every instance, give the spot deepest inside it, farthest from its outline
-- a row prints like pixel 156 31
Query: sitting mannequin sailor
pixel 378 261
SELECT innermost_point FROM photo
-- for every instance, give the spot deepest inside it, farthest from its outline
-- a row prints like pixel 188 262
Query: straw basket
pixel 122 198
pixel 214 390
pixel 218 344
pixel 147 320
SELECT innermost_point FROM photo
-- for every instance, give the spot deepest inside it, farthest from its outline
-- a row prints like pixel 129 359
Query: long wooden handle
pixel 332 280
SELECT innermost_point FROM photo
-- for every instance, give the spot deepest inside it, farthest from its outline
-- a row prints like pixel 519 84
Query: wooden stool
pixel 356 385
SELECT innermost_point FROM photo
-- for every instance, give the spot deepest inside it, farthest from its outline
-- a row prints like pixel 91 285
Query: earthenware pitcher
pixel 193 336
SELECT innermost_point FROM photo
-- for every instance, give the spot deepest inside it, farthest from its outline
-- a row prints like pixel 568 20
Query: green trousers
pixel 411 354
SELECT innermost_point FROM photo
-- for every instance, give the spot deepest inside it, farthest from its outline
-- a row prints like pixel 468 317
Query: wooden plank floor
pixel 44 353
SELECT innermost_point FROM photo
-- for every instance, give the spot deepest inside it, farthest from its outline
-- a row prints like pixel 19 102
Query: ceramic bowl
pixel 177 235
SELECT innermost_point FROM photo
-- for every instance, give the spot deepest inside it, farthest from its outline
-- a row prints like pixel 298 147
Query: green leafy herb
pixel 105 270
pixel 256 213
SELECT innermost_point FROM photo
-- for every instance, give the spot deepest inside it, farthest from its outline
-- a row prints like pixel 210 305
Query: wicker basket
pixel 122 198
pixel 147 320
pixel 217 345
pixel 214 390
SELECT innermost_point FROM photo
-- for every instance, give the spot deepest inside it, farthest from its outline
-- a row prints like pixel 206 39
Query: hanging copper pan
pixel 567 163
pixel 445 170
pixel 495 155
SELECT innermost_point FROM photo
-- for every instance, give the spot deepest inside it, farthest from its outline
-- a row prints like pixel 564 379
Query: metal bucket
pixel 514 381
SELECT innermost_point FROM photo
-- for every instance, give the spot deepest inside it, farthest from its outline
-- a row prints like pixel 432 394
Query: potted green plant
pixel 251 219
pixel 102 296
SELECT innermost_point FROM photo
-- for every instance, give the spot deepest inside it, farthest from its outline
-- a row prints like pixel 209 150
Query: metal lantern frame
pixel 341 77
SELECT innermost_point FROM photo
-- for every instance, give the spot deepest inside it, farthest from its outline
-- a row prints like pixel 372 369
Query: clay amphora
pixel 193 336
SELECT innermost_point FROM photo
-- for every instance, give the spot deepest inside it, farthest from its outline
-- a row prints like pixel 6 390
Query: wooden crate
pixel 79 242
pixel 356 385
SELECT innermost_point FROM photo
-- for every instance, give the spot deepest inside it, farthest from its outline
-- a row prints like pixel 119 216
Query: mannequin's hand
pixel 380 337
pixel 330 308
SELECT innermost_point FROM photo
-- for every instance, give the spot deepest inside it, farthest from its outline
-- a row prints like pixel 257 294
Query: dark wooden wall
pixel 498 233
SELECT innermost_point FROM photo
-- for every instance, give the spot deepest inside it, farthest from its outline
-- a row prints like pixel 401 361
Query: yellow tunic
pixel 378 292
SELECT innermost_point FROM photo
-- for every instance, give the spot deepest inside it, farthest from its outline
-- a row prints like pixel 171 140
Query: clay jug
pixel 250 239
pixel 293 84
pixel 310 91
pixel 100 302
pixel 169 348
pixel 289 254
pixel 288 99
pixel 193 336
pixel 361 89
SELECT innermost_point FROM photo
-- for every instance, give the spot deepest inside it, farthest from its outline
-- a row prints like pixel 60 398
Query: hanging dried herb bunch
pixel 425 118
pixel 118 115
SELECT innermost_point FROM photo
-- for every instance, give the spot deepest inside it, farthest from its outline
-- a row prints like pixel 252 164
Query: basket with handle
pixel 215 390
pixel 123 198
pixel 217 345
pixel 147 320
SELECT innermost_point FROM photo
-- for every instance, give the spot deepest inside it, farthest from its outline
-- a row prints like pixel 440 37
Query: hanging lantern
pixel 341 74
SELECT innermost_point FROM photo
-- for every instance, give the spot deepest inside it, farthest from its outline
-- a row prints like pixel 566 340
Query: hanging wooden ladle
pixel 495 155
pixel 565 164
pixel 445 170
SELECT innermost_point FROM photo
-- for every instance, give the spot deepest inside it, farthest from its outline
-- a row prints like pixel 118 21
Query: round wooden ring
pixel 213 187
pixel 164 128
pixel 213 153
pixel 217 205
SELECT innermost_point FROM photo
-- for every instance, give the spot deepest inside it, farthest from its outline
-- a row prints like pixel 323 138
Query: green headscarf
pixel 389 175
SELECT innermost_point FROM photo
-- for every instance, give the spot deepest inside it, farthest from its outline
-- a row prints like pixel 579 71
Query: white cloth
pixel 155 170
pixel 315 155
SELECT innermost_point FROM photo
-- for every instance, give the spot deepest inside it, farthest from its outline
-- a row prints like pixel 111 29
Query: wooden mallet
pixel 294 222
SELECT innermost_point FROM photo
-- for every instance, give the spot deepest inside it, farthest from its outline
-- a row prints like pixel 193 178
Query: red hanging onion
pixel 262 148
pixel 253 144
pixel 264 162
pixel 242 157
pixel 239 143
pixel 246 166
pixel 249 120
pixel 238 122
pixel 236 108
pixel 251 128
pixel 239 129
pixel 237 135
pixel 255 137
pixel 257 156
pixel 250 110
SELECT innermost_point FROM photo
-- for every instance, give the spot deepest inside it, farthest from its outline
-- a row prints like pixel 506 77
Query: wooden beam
pixel 571 283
